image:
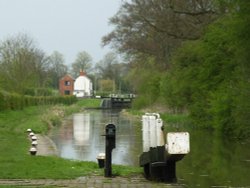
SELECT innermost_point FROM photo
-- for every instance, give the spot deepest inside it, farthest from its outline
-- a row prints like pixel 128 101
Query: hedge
pixel 12 101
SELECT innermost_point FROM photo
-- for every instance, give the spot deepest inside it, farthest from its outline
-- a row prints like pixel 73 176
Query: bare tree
pixel 110 68
pixel 22 64
pixel 57 68
pixel 83 62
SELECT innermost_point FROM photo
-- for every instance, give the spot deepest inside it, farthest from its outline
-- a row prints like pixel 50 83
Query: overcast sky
pixel 67 26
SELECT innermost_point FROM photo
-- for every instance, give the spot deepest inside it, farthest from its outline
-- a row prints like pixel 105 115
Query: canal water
pixel 80 137
pixel 213 161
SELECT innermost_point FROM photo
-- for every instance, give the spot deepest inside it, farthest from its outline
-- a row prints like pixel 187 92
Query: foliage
pixel 204 71
pixel 38 92
pixel 11 101
pixel 22 64
pixel 146 82
pixel 107 86
pixel 210 77
pixel 154 28
pixel 110 68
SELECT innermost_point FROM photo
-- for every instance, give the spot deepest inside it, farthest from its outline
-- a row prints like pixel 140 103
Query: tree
pixel 83 62
pixel 106 67
pixel 109 68
pixel 57 68
pixel 210 77
pixel 22 64
pixel 155 28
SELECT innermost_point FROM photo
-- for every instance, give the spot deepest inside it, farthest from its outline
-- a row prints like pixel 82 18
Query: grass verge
pixel 15 161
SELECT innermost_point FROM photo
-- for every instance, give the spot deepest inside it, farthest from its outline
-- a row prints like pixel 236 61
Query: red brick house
pixel 66 85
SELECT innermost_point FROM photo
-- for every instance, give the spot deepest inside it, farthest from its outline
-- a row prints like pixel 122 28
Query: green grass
pixel 174 118
pixel 166 117
pixel 89 103
pixel 15 161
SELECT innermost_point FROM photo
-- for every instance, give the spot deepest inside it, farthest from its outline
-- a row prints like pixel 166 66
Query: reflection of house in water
pixel 81 129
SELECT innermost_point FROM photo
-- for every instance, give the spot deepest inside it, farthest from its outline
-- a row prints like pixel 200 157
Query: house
pixel 83 86
pixel 66 85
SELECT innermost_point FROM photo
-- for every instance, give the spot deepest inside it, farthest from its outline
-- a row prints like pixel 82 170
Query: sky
pixel 66 26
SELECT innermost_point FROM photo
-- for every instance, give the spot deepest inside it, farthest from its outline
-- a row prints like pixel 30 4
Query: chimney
pixel 82 73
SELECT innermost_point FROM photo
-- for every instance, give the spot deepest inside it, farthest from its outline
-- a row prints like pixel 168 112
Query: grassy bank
pixel 15 161
pixel 170 118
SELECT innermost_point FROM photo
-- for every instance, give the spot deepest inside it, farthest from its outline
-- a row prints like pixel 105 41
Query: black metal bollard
pixel 109 146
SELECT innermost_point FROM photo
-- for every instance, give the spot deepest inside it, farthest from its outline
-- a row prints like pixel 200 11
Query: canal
pixel 80 137
pixel 213 161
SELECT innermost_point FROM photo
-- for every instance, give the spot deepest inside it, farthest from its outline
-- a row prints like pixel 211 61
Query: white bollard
pixel 33 138
pixel 33 151
pixel 31 134
pixel 34 143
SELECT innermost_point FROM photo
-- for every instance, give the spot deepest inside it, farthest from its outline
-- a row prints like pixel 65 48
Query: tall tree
pixel 210 77
pixel 83 62
pixel 22 64
pixel 155 28
pixel 57 68
pixel 105 67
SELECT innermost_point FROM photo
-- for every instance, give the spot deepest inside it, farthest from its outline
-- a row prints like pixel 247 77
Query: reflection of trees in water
pixel 215 161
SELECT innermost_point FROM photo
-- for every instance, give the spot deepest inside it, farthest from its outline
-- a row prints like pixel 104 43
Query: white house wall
pixel 82 86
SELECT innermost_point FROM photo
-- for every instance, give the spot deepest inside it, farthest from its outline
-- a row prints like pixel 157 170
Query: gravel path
pixel 89 182
pixel 45 146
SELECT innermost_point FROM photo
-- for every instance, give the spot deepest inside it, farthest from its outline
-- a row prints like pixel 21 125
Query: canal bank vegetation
pixel 202 71
pixel 15 160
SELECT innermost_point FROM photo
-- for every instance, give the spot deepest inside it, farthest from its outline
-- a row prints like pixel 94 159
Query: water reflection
pixel 80 137
pixel 215 161
pixel 81 129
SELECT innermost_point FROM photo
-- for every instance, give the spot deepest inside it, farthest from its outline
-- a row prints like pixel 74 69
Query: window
pixel 67 83
pixel 66 92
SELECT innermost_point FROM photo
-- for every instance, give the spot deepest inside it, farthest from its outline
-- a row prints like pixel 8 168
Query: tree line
pixel 27 70
pixel 192 56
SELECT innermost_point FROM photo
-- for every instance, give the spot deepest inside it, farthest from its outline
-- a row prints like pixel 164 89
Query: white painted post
pixel 152 122
pixel 145 133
